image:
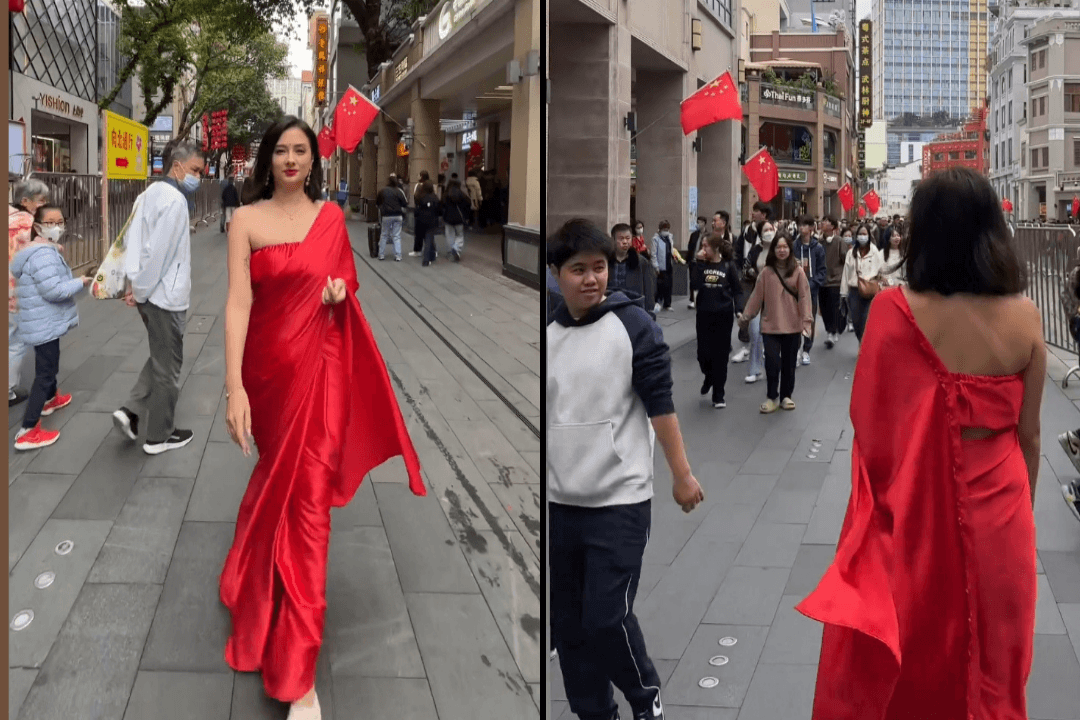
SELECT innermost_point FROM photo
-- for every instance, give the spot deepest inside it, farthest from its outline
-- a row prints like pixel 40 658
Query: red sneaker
pixel 59 401
pixel 35 438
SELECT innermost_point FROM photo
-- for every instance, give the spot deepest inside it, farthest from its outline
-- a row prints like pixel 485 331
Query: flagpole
pixel 638 133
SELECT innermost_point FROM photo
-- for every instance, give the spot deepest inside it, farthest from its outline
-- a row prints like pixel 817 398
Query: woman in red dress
pixel 929 605
pixel 304 380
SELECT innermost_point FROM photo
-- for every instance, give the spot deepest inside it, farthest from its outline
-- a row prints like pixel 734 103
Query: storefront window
pixel 788 144
pixel 830 149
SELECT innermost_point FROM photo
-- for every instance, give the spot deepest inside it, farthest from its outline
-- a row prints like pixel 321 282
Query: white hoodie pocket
pixel 582 460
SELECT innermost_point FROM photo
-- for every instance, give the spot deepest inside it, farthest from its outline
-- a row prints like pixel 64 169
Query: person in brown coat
pixel 784 291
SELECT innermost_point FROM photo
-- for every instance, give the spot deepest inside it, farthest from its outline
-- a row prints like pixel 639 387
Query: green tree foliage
pixel 211 54
pixel 384 24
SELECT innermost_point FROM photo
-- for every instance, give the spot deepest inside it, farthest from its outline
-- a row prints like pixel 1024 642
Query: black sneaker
pixel 706 387
pixel 656 712
pixel 456 255
pixel 15 397
pixel 1071 493
pixel 177 440
pixel 126 422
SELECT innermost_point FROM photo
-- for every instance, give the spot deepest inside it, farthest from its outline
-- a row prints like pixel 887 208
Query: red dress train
pixel 323 415
pixel 929 605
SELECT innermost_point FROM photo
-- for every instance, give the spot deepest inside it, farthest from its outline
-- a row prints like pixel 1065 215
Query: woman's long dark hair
pixel 784 267
pixel 261 185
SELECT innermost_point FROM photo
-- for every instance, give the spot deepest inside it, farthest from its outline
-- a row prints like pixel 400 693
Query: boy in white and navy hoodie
pixel 608 396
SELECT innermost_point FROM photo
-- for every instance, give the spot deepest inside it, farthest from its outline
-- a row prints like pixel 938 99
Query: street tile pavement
pixel 433 603
pixel 761 541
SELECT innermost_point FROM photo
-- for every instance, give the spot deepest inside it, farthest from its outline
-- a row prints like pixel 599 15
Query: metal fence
pixel 1048 253
pixel 79 196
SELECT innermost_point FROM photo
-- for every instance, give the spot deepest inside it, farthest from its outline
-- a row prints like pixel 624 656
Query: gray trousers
pixel 158 387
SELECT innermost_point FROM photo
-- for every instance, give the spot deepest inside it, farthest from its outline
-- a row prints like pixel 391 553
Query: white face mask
pixel 768 236
pixel 52 234
pixel 863 239
pixel 665 234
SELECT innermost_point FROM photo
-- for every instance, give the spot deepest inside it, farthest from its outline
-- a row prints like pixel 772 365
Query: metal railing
pixel 79 196
pixel 1048 253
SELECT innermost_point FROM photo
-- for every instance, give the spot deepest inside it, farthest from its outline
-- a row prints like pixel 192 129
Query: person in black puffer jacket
pixel 456 208
pixel 427 220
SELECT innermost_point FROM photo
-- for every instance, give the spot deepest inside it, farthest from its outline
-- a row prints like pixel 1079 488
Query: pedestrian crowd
pixel 911 620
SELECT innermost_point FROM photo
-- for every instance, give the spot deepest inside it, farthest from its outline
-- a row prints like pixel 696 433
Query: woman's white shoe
pixel 304 709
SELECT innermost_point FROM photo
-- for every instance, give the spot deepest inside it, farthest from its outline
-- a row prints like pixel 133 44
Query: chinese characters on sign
pixel 866 88
pixel 322 34
pixel 126 155
pixel 862 153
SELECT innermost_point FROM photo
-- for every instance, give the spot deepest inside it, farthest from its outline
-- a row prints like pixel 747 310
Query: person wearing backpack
pixel 392 203
pixel 456 207
pixel 427 220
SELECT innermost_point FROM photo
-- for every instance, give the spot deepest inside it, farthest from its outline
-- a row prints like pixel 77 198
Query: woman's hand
pixel 335 292
pixel 238 419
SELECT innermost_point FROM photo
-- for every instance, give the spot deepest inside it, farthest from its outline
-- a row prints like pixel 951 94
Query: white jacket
pixel 856 267
pixel 158 257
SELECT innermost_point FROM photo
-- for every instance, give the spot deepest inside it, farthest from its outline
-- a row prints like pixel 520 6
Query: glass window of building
pixel 1072 97
pixel 56 43
pixel 788 144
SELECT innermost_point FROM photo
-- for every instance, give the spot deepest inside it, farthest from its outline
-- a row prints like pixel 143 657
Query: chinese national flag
pixel 763 175
pixel 719 100
pixel 1076 205
pixel 862 211
pixel 1007 205
pixel 847 197
pixel 352 117
pixel 327 141
pixel 873 202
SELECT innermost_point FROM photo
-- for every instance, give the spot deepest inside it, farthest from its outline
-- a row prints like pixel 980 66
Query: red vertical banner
pixel 322 54
pixel 205 133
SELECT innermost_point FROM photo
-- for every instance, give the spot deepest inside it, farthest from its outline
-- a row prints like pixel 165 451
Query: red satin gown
pixel 323 415
pixel 929 605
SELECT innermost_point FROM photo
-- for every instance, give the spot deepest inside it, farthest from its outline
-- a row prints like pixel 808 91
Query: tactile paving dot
pixel 22 619
pixel 728 641
pixel 65 547
pixel 44 580
pixel 718 660
pixel 708 682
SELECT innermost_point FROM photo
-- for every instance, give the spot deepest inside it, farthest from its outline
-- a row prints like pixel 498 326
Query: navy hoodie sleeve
pixel 820 265
pixel 735 283
pixel 652 362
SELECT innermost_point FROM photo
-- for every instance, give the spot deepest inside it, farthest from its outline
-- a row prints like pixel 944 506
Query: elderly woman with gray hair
pixel 27 197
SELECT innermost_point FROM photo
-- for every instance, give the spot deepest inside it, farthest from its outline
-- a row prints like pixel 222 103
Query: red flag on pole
pixel 862 211
pixel 352 117
pixel 719 100
pixel 763 175
pixel 1007 205
pixel 873 202
pixel 847 197
pixel 327 141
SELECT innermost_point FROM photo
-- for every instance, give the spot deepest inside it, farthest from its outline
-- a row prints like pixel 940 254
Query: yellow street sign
pixel 126 148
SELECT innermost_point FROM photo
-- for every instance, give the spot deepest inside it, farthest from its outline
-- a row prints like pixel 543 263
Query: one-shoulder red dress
pixel 929 605
pixel 323 415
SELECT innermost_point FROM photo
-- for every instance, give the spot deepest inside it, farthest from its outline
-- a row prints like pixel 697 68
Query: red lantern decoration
pixel 862 211
pixel 16 6
pixel 1007 205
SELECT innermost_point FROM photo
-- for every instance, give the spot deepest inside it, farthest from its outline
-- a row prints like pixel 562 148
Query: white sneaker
pixel 656 308
pixel 741 356
pixel 414 254
pixel 751 379
pixel 806 358
pixel 690 305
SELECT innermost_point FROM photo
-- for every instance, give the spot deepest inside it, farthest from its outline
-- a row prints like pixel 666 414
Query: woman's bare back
pixel 978 335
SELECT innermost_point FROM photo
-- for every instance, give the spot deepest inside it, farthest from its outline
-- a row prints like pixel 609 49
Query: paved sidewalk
pixel 738 565
pixel 433 603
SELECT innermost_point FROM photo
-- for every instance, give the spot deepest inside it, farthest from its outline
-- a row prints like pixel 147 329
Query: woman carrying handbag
pixel 862 272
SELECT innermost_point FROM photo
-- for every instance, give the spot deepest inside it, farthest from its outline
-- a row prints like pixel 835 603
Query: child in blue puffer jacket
pixel 46 291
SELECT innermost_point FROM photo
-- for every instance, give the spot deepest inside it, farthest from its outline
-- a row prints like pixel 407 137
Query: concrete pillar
pixel 662 155
pixel 387 147
pixel 427 137
pixel 371 180
pixel 588 157
pixel 718 169
pixel 525 111
pixel 354 178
